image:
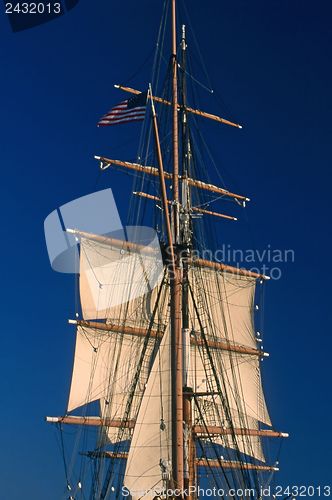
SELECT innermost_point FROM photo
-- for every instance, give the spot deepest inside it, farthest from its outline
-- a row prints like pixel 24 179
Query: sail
pixel 224 303
pixel 150 451
pixel 230 303
pixel 114 287
pixel 113 279
pixel 246 444
pixel 239 379
pixel 104 370
pixel 242 404
pixel 223 306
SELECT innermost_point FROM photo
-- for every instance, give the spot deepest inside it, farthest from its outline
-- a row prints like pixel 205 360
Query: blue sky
pixel 271 63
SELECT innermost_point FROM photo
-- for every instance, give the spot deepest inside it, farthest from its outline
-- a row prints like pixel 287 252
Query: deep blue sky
pixel 271 62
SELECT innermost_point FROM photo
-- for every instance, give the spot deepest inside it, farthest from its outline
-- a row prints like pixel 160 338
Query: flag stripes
pixel 126 111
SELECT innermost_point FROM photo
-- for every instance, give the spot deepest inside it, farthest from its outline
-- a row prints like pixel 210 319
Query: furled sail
pixel 148 463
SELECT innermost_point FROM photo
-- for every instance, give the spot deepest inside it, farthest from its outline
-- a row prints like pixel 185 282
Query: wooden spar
pixel 163 191
pixel 114 242
pixel 203 462
pixel 212 117
pixel 148 196
pixel 154 171
pixel 195 209
pixel 228 346
pixel 218 266
pixel 137 92
pixel 200 430
pixel 215 214
pixel 129 330
pixel 106 454
pixel 188 109
pixel 215 189
pixel 91 421
pixel 121 244
pixel 214 429
pixel 142 332
pixel 132 166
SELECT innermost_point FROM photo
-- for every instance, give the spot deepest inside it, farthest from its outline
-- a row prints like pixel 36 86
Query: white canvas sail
pixel 239 378
pixel 240 383
pixel 112 279
pixel 90 368
pixel 225 304
pixel 150 450
pixel 246 444
pixel 104 370
pixel 229 299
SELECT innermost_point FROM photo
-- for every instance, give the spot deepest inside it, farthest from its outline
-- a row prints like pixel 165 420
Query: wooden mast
pixel 175 288
pixel 186 245
pixel 163 190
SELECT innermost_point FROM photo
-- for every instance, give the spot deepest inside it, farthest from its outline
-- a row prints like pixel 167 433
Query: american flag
pixel 131 110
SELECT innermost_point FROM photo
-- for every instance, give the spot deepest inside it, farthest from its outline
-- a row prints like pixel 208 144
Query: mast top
pixel 183 45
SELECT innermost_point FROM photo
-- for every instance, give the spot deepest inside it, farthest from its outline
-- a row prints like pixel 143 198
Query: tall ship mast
pixel 166 392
